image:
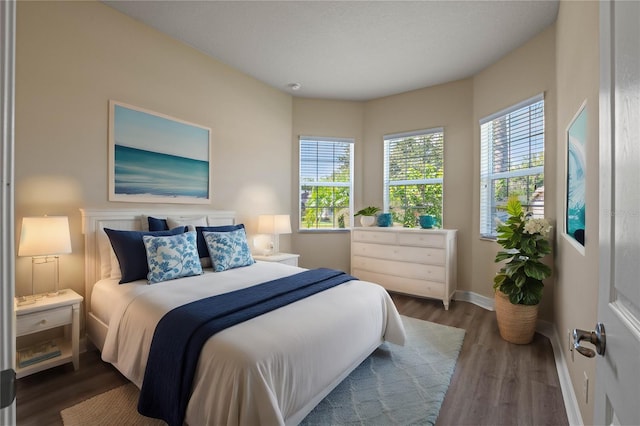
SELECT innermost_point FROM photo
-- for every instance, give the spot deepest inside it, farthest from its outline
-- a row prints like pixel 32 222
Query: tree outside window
pixel 413 176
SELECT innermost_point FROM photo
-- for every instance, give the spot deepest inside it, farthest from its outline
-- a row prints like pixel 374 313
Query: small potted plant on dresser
pixel 518 285
pixel 368 215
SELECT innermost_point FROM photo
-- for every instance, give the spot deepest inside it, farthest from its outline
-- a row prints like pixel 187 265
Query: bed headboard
pixel 94 220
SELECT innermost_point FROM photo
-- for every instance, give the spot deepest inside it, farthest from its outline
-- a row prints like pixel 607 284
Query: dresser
pixel 419 262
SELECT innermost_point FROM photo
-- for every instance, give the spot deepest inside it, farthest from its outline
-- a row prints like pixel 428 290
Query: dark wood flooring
pixel 495 382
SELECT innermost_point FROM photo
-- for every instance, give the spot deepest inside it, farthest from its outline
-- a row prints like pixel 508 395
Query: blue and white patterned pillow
pixel 228 250
pixel 172 257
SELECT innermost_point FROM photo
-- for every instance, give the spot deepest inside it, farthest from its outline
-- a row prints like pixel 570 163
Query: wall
pixel 448 106
pixel 72 57
pixel 577 77
pixel 456 106
pixel 523 73
pixel 329 118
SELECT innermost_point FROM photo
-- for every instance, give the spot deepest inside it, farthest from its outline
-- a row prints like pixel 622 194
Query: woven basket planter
pixel 517 323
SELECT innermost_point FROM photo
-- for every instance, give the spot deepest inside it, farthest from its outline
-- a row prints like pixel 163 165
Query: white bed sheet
pixel 270 370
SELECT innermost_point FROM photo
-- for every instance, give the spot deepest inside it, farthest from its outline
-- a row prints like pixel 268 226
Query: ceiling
pixel 352 50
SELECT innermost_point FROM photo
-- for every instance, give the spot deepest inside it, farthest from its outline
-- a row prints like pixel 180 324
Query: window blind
pixel 326 176
pixel 511 162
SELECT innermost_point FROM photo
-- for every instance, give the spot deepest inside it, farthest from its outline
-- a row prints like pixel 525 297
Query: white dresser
pixel 420 262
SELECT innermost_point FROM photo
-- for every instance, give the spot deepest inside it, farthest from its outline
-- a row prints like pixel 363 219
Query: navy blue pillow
pixel 131 252
pixel 156 224
pixel 203 251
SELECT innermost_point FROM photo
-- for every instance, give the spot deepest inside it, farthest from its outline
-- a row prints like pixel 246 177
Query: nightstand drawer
pixel 44 320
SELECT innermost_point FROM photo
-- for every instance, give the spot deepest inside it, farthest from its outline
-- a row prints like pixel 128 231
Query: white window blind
pixel 511 162
pixel 326 183
pixel 413 175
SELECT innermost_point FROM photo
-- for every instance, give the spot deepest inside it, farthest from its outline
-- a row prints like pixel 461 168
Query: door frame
pixel 7 240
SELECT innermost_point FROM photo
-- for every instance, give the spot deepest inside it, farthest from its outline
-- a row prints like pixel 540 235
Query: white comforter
pixel 270 370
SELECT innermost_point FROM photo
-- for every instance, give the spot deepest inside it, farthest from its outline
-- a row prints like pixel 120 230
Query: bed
pixel 272 369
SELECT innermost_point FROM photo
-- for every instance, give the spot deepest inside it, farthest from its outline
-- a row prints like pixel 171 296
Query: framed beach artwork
pixel 575 207
pixel 155 158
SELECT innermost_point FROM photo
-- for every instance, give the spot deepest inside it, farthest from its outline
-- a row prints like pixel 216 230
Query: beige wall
pixel 456 106
pixel 448 106
pixel 577 77
pixel 523 73
pixel 72 57
pixel 329 118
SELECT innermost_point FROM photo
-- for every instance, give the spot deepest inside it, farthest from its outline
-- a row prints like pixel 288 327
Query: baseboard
pixel 475 298
pixel 549 331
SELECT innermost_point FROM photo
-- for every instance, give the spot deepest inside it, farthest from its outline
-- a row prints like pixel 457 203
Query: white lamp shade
pixel 44 236
pixel 274 224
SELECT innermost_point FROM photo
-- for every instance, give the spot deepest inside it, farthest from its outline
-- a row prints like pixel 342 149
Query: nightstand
pixel 47 313
pixel 286 258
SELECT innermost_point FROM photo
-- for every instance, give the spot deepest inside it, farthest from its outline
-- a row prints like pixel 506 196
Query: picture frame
pixel 575 190
pixel 155 158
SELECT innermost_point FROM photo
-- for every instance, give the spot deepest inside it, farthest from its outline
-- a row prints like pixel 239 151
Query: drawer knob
pixel 43 321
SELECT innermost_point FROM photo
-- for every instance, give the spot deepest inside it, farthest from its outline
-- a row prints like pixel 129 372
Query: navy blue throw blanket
pixel 181 333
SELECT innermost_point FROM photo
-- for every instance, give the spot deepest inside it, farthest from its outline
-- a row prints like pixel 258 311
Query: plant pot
pixel 517 323
pixel 385 219
pixel 367 220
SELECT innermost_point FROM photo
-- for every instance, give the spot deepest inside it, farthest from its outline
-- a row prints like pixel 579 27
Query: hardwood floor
pixel 495 382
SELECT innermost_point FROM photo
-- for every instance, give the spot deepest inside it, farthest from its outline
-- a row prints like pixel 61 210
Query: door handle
pixel 598 338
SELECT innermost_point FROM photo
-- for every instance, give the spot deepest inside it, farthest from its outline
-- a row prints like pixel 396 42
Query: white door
pixel 7 250
pixel 617 392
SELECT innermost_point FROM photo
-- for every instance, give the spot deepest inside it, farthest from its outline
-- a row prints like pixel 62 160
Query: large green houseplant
pixel 519 283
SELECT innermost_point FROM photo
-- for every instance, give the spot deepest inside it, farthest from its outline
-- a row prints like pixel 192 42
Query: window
pixel 511 162
pixel 326 176
pixel 413 173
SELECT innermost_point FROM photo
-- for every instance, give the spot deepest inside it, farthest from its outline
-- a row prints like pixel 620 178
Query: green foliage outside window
pixel 415 172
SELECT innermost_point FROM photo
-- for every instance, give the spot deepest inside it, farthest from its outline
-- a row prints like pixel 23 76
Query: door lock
pixel 598 338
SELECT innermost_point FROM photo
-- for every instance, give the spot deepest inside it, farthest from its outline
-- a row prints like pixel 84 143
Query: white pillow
pixel 189 222
pixel 109 265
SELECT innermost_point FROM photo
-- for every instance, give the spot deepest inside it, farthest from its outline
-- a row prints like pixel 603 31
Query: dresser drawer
pixel 403 285
pixel 402 253
pixel 44 320
pixel 380 237
pixel 422 239
pixel 400 269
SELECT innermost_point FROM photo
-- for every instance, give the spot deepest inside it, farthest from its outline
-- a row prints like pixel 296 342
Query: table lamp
pixel 274 225
pixel 44 238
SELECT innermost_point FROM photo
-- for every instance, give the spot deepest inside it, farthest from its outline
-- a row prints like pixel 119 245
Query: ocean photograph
pixel 157 158
pixel 576 177
pixel 140 172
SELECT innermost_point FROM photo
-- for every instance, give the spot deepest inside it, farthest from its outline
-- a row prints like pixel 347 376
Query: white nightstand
pixel 47 313
pixel 286 258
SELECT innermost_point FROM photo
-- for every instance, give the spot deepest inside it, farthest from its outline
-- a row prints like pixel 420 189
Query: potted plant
pixel 518 285
pixel 367 215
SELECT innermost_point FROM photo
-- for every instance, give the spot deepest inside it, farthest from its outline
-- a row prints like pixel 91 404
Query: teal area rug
pixel 396 385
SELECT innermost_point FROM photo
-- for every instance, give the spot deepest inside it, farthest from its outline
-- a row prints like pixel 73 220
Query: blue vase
pixel 426 221
pixel 384 219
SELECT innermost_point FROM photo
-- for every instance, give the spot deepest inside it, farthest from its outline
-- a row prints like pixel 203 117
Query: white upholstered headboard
pixel 93 220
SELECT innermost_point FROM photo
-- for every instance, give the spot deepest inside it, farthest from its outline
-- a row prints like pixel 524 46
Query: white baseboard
pixel 548 330
pixel 475 298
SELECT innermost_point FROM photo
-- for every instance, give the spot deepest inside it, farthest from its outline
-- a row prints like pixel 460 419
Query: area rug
pixel 396 385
